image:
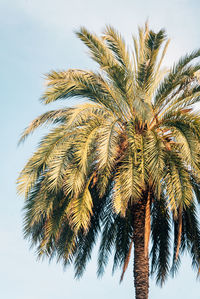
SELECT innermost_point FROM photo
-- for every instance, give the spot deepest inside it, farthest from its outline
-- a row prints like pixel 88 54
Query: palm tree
pixel 124 165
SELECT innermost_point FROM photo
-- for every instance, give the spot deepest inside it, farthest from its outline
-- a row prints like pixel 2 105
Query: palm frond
pixel 124 239
pixel 108 238
pixel 174 78
pixel 192 235
pixel 107 152
pixel 117 45
pixel 87 241
pixel 128 185
pixel 79 210
pixel 160 252
pixel 52 117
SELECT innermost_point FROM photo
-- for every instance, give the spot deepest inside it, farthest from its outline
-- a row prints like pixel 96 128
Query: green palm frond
pixel 192 235
pixel 87 241
pixel 195 182
pixel 124 238
pixel 160 252
pixel 107 240
pixel 178 239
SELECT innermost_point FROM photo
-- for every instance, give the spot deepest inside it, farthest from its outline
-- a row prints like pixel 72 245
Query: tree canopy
pixel 136 136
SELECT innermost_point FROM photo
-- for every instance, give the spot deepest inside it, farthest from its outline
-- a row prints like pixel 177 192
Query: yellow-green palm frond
pixel 87 240
pixel 107 153
pixel 117 45
pixel 87 85
pixel 51 117
pixel 98 50
pixel 128 184
pixel 84 146
pixel 187 144
pixel 177 179
pixel 79 210
pixel 110 52
pixel 187 120
pixel 101 53
pixel 39 161
pixel 75 156
pixel 139 44
pixel 75 83
pixel 179 75
pixel 154 157
pixel 147 56
pixel 163 55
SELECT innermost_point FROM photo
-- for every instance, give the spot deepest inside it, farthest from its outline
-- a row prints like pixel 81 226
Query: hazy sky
pixel 37 36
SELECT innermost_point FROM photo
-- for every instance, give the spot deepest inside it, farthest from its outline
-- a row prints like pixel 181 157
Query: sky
pixel 36 37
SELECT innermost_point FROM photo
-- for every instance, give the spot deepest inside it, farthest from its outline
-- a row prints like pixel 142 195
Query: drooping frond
pixel 178 241
pixel 127 185
pixel 107 152
pixel 108 238
pixel 51 117
pixel 38 162
pixel 154 155
pixel 87 241
pixel 196 186
pixel 79 210
pixel 192 234
pixel 160 252
pixel 124 239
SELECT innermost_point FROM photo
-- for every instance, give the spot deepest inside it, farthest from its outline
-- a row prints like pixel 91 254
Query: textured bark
pixel 141 260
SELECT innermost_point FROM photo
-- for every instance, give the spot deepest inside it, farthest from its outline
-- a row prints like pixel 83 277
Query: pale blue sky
pixel 37 36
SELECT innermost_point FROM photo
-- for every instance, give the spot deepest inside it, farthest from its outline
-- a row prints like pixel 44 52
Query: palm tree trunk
pixel 141 260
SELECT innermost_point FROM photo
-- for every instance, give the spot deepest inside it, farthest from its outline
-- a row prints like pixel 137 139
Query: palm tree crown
pixel 134 143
